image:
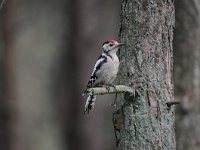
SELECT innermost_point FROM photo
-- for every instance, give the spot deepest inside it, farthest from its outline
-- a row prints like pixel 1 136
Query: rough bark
pixel 187 73
pixel 146 122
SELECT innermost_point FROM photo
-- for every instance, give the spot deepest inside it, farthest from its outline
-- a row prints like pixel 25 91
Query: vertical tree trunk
pixel 146 121
pixel 187 73
pixel 74 133
pixel 7 102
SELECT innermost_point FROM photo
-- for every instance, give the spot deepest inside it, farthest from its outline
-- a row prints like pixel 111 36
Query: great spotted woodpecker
pixel 105 70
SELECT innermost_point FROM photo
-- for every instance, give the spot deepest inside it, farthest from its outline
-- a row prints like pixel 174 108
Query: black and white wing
pixel 100 61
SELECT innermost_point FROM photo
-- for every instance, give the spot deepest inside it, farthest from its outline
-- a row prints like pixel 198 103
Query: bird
pixel 105 70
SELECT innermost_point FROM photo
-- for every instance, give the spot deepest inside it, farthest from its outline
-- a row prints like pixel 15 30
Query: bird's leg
pixel 107 88
pixel 112 85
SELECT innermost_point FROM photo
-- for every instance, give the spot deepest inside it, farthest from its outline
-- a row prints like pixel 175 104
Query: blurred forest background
pixel 47 52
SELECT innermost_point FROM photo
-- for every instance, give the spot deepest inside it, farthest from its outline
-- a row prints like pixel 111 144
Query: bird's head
pixel 111 46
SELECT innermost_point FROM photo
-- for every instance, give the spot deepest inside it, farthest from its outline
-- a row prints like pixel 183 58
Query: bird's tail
pixel 89 103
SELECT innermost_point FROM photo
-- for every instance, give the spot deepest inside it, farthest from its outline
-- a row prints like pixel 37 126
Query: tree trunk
pixel 187 74
pixel 8 105
pixel 146 121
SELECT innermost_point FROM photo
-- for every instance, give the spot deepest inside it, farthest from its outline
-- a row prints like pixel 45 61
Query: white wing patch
pixel 99 61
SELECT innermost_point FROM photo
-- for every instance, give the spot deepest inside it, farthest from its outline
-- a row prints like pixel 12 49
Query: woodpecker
pixel 105 70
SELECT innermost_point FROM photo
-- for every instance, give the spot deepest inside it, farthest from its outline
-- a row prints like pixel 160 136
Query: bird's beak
pixel 120 44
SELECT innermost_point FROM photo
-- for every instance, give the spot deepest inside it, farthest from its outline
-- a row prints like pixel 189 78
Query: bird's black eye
pixel 110 44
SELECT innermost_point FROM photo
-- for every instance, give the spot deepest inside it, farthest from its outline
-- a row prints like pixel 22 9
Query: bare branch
pixel 172 103
pixel 110 90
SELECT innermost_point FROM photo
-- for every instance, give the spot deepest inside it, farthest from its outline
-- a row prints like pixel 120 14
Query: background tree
pixel 146 64
pixel 55 43
pixel 187 73
pixel 7 77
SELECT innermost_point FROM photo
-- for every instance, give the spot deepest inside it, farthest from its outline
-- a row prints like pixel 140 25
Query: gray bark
pixel 146 122
pixel 187 74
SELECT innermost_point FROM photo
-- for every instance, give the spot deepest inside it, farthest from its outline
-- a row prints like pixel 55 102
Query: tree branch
pixel 110 90
pixel 170 103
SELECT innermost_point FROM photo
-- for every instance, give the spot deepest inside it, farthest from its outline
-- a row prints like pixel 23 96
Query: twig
pixel 1 5
pixel 172 103
pixel 104 90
